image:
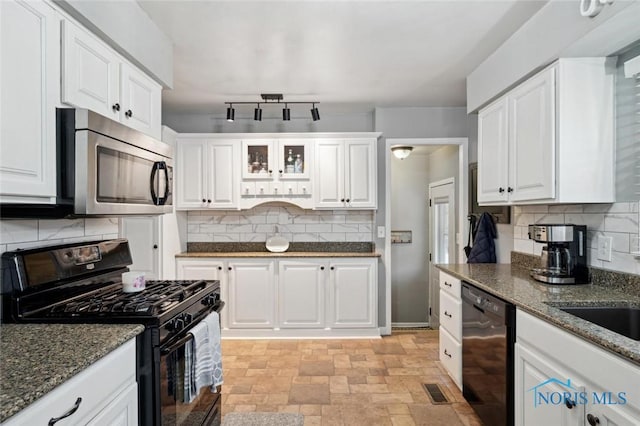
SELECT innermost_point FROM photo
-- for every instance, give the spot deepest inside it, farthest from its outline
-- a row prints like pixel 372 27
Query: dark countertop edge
pixel 593 333
pixel 16 404
pixel 284 254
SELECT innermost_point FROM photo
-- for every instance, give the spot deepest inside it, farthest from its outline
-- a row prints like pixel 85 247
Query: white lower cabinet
pixel 352 293
pixel 301 294
pixel 251 293
pixel 561 379
pixel 292 297
pixel 105 393
pixel 451 327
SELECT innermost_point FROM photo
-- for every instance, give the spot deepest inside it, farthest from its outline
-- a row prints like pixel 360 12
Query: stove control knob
pixel 179 324
pixel 188 318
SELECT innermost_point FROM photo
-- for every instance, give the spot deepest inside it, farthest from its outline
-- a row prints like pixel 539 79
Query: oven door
pixel 176 406
pixel 115 178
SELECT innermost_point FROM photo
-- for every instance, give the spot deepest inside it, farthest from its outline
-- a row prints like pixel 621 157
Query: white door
pixel 121 411
pixel 532 139
pixel 29 93
pixel 223 181
pixel 301 290
pixel 90 73
pixel 328 185
pixel 190 170
pixel 189 269
pixel 493 153
pixel 352 293
pixel 143 234
pixel 251 294
pixel 140 101
pixel 360 173
pixel 442 239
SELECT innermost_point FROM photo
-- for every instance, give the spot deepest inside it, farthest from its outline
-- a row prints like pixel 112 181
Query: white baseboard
pixel 410 324
pixel 321 333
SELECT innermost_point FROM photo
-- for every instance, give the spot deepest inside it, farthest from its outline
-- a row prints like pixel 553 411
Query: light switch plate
pixel 604 248
pixel 381 231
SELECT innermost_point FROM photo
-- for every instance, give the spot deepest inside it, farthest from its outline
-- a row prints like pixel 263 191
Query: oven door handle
pixel 177 344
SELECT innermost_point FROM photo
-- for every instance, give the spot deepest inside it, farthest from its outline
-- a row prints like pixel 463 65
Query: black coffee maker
pixel 564 258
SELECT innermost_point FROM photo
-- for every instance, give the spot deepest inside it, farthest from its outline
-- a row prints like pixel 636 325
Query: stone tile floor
pixel 343 381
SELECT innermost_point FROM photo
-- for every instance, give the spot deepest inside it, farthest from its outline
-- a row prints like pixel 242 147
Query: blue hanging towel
pixel 484 248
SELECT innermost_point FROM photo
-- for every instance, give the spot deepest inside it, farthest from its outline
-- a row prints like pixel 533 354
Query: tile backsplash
pixel 620 221
pixel 24 234
pixel 294 223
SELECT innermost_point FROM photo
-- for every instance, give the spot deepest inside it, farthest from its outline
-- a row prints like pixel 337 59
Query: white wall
pixel 24 234
pixel 244 123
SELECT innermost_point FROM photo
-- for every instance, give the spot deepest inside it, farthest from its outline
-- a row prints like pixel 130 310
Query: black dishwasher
pixel 488 336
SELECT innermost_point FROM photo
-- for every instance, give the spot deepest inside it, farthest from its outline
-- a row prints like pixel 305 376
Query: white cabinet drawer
pixel 451 315
pixel 450 284
pixel 451 356
pixel 96 385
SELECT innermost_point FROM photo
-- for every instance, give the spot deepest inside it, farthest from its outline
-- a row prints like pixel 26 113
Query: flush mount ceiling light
pixel 272 99
pixel 401 151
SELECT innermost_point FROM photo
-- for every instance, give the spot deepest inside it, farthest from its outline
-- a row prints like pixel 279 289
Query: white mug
pixel 133 281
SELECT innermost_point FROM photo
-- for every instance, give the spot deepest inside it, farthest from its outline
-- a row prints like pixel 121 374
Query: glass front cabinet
pixel 269 159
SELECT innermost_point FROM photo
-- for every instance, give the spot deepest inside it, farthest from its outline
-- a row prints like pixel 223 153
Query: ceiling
pixel 351 56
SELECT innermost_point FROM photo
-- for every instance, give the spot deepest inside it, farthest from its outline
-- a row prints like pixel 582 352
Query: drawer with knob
pixel 450 284
pixel 450 315
pixel 451 355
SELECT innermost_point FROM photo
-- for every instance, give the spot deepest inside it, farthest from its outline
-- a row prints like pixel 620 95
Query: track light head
pixel 257 114
pixel 315 114
pixel 230 113
pixel 286 113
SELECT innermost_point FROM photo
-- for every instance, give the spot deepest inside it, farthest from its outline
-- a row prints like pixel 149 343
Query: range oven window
pixel 204 409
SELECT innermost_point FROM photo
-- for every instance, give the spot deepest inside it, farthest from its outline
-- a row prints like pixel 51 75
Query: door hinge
pixel 429 202
pixel 429 312
pixel 429 257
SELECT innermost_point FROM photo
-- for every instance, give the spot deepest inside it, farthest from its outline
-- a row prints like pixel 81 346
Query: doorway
pixel 398 263
pixel 442 231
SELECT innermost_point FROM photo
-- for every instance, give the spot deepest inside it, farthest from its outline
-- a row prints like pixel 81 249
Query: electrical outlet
pixel 380 231
pixel 604 248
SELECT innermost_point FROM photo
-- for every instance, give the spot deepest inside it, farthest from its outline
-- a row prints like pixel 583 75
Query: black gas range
pixel 76 283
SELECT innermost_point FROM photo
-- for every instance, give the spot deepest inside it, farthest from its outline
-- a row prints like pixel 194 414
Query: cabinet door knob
pixel 204 200
pixel 270 171
pixel 501 190
pixel 219 268
pixel 280 171
pixel 593 420
pixel 569 403
pixel 208 201
pixel 332 268
pixel 348 200
pixel 342 200
pixel 322 268
pixel 72 410
pixel 129 113
pixel 155 246
pixel 116 107
pixel 448 284
pixel 229 268
pixel 509 189
pixel 447 314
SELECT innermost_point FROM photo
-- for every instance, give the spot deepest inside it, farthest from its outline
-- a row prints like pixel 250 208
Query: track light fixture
pixel 230 113
pixel 315 114
pixel 270 99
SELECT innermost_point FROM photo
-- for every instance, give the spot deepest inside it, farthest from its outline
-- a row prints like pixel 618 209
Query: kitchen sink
pixel 621 320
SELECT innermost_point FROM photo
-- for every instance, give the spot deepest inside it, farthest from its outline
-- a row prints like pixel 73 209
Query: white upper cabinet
pixel 345 174
pixel 95 77
pixel 551 139
pixel 29 94
pixel 207 173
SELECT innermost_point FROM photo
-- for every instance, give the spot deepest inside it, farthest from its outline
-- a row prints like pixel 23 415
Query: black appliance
pixel 82 283
pixel 564 258
pixel 488 338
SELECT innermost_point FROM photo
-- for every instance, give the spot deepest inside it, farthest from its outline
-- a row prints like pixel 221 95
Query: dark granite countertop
pixel 284 254
pixel 36 358
pixel 513 284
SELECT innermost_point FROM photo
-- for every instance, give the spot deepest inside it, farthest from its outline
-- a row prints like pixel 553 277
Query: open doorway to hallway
pixel 413 282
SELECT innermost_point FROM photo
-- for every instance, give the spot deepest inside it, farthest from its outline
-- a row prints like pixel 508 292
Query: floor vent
pixel 435 393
